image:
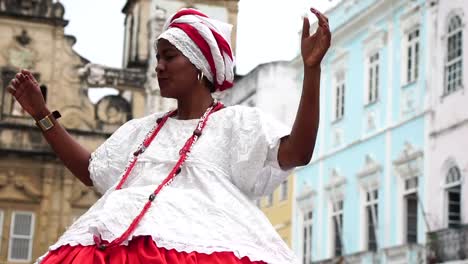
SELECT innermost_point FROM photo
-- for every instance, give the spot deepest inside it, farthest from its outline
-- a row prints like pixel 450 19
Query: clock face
pixel 113 110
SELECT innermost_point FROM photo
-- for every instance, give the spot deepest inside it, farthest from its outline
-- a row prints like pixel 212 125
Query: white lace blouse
pixel 209 207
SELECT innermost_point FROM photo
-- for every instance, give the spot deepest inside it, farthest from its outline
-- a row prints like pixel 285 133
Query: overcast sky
pixel 267 30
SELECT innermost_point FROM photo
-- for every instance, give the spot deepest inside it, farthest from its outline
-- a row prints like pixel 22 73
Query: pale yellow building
pixel 278 208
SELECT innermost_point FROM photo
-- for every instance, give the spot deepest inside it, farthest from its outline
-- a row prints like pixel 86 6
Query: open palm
pixel 26 91
pixel 314 47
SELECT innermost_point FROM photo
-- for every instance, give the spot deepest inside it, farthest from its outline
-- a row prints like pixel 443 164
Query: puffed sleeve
pixel 109 160
pixel 254 157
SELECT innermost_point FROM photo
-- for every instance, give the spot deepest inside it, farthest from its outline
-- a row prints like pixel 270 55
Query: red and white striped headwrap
pixel 205 42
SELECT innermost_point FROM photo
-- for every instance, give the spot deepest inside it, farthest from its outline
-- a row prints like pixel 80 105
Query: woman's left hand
pixel 314 47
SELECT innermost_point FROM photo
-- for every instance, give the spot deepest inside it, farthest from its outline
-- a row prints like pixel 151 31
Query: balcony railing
pixel 448 244
pixel 407 253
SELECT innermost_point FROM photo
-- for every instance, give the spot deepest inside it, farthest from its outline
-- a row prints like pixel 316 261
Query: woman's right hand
pixel 27 92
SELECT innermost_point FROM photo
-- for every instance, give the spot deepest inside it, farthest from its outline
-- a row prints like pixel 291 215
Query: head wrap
pixel 205 42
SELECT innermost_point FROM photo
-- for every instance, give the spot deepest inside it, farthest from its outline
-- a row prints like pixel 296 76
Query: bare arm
pixel 26 91
pixel 297 148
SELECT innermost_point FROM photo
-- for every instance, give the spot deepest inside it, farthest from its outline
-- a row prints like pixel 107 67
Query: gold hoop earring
pixel 200 76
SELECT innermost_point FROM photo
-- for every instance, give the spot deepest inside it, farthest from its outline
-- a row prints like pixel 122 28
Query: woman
pixel 178 187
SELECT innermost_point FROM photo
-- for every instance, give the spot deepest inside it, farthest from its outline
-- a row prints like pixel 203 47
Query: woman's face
pixel 177 76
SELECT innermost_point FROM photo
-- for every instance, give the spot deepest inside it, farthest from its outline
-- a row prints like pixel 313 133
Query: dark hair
pixel 209 84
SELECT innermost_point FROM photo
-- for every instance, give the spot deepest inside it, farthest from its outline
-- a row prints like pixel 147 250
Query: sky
pixel 268 30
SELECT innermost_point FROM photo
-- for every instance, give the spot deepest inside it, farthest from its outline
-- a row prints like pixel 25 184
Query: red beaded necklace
pixel 172 174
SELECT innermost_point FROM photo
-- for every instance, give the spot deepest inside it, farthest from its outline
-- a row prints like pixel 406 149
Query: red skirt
pixel 140 250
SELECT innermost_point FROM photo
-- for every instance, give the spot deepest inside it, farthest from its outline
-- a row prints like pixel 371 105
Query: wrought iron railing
pixel 448 244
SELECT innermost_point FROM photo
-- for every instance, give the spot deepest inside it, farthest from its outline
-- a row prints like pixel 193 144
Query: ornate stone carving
pixel 336 186
pixel 96 75
pixel 83 197
pixel 113 109
pixel 409 163
pixel 305 197
pixel 16 187
pixel 22 57
pixel 33 8
pixel 58 10
pixel 369 174
pixel 23 38
pixel 74 117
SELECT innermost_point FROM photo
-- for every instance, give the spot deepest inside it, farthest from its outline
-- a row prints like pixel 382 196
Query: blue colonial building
pixel 362 198
pixel 387 182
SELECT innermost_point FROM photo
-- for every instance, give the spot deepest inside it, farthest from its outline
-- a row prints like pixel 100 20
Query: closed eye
pixel 166 57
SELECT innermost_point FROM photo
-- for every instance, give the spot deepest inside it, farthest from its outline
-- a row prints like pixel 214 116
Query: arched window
pixel 454 58
pixel 453 206
pixel 453 175
pixel 44 92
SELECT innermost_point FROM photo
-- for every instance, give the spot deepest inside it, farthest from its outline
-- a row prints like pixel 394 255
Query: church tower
pixel 143 23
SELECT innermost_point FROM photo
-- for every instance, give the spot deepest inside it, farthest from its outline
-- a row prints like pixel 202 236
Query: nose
pixel 159 67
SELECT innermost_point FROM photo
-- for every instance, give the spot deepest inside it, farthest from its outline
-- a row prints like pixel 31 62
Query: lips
pixel 162 81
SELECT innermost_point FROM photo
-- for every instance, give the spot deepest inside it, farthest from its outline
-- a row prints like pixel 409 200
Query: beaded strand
pixel 172 174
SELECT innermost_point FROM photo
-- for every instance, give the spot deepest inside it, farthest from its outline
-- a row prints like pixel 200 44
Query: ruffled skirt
pixel 140 250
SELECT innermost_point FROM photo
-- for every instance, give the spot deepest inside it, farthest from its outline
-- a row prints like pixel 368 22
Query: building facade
pixel 447 188
pixel 278 208
pixel 39 197
pixel 363 198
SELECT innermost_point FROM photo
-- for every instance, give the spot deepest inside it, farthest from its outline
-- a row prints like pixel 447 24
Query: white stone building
pixel 447 185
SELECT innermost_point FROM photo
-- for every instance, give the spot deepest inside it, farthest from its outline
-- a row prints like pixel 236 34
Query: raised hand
pixel 27 92
pixel 314 47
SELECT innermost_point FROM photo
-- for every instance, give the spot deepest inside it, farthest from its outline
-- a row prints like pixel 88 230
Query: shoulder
pixel 136 124
pixel 253 116
pixel 243 119
pixel 247 118
pixel 242 112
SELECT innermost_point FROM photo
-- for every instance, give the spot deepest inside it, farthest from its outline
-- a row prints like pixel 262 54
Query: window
pixel 44 92
pixel 373 78
pixel 412 56
pixel 8 103
pixel 411 184
pixel 454 201
pixel 454 63
pixel 135 30
pixel 454 206
pixel 1 226
pixel 411 218
pixel 372 219
pixel 131 37
pixel 453 176
pixel 337 219
pixel 307 236
pixel 9 106
pixel 339 95
pixel 21 236
pixel 284 190
pixel 411 206
pixel 270 200
pixel 257 203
